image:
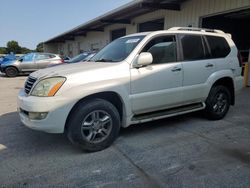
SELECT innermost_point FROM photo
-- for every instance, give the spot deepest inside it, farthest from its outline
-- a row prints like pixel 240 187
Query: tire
pixel 217 103
pixel 11 71
pixel 93 125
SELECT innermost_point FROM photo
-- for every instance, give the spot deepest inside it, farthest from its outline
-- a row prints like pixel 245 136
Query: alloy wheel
pixel 96 126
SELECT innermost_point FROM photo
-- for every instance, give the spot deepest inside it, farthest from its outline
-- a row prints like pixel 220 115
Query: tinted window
pixel 218 46
pixel 192 47
pixel 163 49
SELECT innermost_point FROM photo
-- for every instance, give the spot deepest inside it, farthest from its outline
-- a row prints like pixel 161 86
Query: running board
pixel 141 118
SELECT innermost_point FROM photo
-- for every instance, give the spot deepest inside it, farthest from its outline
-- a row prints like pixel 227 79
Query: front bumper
pixel 58 108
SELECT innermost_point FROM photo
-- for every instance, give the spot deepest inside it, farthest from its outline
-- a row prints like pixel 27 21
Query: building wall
pixel 191 13
pixel 193 10
pixel 51 47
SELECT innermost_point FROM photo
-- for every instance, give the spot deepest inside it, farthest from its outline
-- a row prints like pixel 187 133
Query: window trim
pixel 208 46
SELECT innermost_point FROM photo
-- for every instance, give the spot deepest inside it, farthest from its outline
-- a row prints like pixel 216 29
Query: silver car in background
pixel 29 63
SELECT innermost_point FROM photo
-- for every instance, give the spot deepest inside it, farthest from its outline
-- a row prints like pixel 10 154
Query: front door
pixel 27 63
pixel 159 85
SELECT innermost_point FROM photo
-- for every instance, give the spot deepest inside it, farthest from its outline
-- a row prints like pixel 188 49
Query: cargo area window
pixel 218 46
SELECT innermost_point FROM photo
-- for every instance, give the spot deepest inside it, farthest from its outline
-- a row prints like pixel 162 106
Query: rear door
pixel 43 60
pixel 197 67
pixel 219 50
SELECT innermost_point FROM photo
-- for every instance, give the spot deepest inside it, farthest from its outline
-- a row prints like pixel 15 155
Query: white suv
pixel 136 78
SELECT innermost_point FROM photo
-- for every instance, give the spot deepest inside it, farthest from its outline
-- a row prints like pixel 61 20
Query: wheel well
pixel 12 67
pixel 110 96
pixel 227 82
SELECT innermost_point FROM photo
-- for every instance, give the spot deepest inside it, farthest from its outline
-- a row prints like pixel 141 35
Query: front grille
pixel 29 84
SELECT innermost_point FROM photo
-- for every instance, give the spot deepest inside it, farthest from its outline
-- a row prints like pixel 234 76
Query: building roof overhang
pixel 121 15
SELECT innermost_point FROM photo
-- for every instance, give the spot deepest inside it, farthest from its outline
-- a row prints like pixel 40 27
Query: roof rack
pixel 196 29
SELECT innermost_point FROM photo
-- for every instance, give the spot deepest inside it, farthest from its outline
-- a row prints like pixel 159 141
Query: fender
pixel 216 76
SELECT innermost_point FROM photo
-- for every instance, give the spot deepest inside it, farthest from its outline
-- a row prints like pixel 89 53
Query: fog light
pixel 38 115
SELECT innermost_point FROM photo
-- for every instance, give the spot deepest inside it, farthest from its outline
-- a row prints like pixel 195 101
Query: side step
pixel 168 112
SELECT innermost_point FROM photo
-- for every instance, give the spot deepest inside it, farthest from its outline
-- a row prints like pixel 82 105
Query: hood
pixel 72 69
pixel 8 62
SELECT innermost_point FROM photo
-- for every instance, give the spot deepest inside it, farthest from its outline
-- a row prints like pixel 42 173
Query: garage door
pixel 153 25
pixel 236 23
pixel 118 33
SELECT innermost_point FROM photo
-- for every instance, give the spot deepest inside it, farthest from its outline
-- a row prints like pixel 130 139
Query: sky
pixel 30 22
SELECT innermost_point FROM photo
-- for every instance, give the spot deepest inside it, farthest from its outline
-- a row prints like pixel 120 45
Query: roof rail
pixel 195 29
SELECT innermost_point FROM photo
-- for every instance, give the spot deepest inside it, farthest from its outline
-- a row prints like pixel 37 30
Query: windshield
pixel 117 50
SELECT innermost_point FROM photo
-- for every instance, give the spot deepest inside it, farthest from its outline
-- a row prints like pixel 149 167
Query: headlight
pixel 48 87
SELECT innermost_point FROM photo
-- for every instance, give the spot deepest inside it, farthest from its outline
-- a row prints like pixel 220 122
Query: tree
pixel 3 50
pixel 13 46
pixel 25 50
pixel 39 47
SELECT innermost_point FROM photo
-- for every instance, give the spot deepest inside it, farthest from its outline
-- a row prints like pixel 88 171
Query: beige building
pixel 232 16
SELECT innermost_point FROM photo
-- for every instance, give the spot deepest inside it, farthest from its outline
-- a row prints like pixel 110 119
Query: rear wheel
pixel 218 102
pixel 94 124
pixel 11 71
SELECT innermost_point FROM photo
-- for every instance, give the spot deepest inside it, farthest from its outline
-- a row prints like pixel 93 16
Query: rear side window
pixel 43 56
pixel 218 46
pixel 192 47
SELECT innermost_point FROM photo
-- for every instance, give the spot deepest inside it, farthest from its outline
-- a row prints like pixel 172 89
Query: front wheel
pixel 93 124
pixel 11 71
pixel 218 102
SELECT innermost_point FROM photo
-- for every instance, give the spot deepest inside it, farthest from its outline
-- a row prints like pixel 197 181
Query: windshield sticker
pixel 132 40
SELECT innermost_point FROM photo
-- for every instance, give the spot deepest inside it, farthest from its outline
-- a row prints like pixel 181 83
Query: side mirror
pixel 145 58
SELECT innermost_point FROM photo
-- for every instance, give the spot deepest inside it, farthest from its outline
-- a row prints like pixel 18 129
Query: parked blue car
pixel 9 57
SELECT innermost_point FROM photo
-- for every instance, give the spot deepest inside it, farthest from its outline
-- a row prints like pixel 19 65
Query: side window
pixel 218 46
pixel 51 56
pixel 192 47
pixel 28 57
pixel 163 49
pixel 42 56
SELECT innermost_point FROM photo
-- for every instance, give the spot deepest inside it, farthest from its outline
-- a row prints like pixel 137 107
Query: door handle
pixel 175 69
pixel 209 65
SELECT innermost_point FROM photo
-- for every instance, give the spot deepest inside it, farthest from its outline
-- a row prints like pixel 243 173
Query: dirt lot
pixel 185 151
